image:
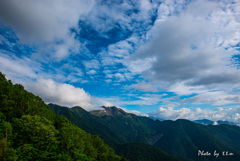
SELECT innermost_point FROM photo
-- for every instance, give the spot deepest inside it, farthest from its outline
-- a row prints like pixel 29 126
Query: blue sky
pixel 161 58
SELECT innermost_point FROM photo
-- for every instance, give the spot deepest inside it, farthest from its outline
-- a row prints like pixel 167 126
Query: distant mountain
pixel 209 122
pixel 182 138
pixel 155 118
pixel 220 122
pixel 204 122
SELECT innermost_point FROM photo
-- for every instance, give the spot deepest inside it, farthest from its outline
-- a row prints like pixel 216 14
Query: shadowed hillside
pixel 182 138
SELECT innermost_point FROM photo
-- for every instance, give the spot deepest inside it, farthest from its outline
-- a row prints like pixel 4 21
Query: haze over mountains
pixel 181 138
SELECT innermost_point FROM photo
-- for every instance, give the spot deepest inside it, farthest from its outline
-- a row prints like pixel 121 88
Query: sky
pixel 166 59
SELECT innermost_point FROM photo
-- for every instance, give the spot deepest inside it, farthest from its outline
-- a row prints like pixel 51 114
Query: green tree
pixel 5 140
pixel 35 135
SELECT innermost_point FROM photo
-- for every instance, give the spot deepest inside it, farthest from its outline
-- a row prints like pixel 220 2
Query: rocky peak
pixel 111 111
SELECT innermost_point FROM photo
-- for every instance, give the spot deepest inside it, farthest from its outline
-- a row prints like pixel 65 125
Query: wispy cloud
pixel 215 97
pixel 144 86
pixel 16 68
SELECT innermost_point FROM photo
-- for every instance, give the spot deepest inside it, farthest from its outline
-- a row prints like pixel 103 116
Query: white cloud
pixel 215 98
pixel 109 60
pixel 92 64
pixel 172 54
pixel 25 72
pixel 63 94
pixel 181 88
pixel 185 50
pixel 101 102
pixel 144 86
pixel 131 99
pixel 137 66
pixel 91 72
pixel 120 49
pixel 46 23
pixel 231 114
pixel 16 68
pixel 43 20
pixel 121 76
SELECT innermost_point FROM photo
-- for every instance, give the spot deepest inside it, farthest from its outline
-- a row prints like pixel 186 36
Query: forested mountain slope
pixel 182 138
pixel 29 130
pixel 116 133
pixel 119 127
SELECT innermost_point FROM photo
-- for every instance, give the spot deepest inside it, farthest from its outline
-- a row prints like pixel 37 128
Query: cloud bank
pixel 169 113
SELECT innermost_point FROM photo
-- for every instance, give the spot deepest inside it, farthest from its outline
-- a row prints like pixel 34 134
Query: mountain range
pixel 209 122
pixel 182 139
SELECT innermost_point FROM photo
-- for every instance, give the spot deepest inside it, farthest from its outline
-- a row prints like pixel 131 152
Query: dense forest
pixel 29 130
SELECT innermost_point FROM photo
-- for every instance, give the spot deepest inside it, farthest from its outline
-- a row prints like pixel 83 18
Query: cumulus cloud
pixel 63 94
pixel 175 60
pixel 169 113
pixel 186 50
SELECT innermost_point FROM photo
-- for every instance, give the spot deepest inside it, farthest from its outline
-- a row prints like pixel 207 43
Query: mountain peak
pixel 110 111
